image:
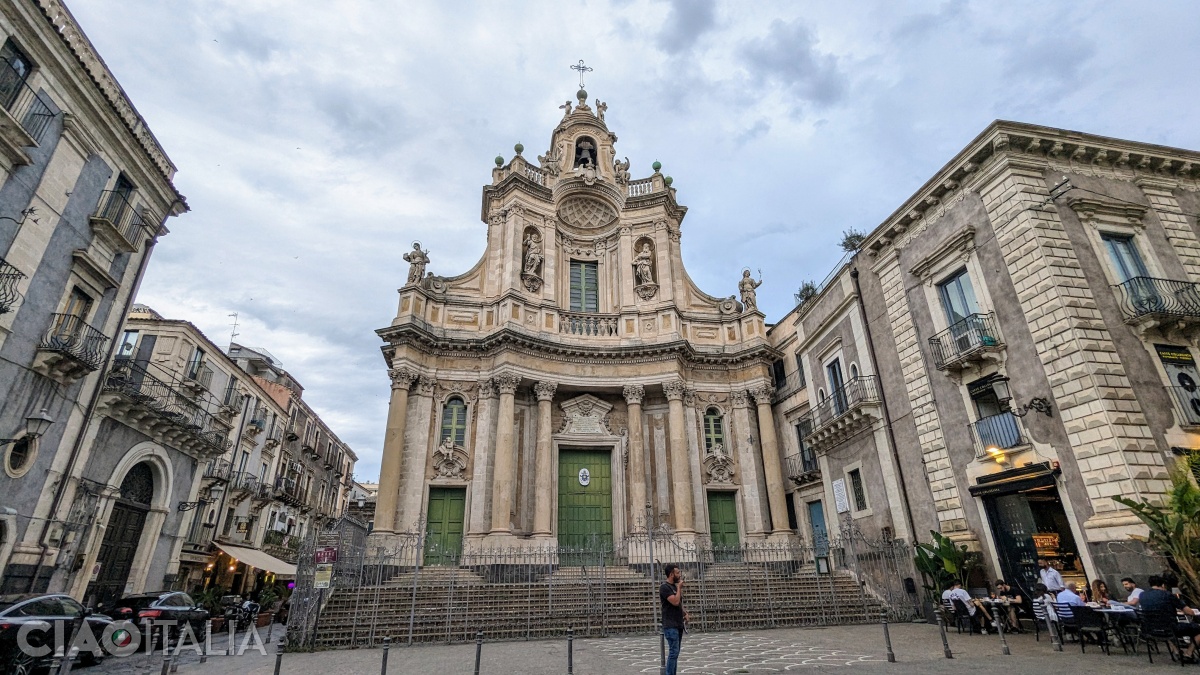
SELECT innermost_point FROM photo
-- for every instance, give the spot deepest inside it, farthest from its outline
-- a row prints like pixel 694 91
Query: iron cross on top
pixel 582 69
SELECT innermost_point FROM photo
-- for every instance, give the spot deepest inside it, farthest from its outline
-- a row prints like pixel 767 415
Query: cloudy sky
pixel 315 140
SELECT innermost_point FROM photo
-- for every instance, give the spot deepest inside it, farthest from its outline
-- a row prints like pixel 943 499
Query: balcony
pixel 1163 306
pixel 154 403
pixel 218 470
pixel 274 436
pixel 263 492
pixel 802 468
pixel 117 221
pixel 967 343
pixel 791 384
pixel 289 492
pixel 588 325
pixel 1186 402
pixel 291 434
pixel 844 413
pixel 199 379
pixel 26 116
pixel 10 278
pixel 286 547
pixel 997 435
pixel 255 426
pixel 70 349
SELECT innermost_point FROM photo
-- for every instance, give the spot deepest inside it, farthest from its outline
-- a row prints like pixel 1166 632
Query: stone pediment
pixel 585 415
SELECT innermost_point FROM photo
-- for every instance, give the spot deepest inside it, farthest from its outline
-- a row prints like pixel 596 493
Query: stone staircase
pixel 450 604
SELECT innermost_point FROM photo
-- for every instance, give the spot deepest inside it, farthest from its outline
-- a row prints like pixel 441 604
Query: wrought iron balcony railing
pixel 165 398
pixel 964 338
pixel 852 395
pixel 590 325
pixel 23 103
pixel 802 467
pixel 999 432
pixel 70 335
pixel 1147 296
pixel 118 211
pixel 791 384
pixel 10 277
pixel 218 469
pixel 1187 405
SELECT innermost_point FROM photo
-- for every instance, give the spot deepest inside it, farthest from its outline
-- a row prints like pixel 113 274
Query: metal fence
pixel 604 588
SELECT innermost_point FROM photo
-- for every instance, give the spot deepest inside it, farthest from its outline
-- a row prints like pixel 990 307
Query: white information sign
pixel 839 496
pixel 585 477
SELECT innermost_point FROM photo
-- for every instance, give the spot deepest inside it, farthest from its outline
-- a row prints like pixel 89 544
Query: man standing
pixel 1049 576
pixel 673 614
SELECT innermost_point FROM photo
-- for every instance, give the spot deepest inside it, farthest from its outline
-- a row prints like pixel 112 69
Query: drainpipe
pixel 77 447
pixel 887 417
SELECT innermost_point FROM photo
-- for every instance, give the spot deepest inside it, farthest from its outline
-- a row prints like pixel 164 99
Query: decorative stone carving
pixel 586 212
pixel 426 385
pixel 739 399
pixel 730 305
pixel 601 107
pixel 689 398
pixel 417 259
pixel 585 415
pixel 487 389
pixel 434 284
pixel 643 272
pixel 634 393
pixel 621 171
pixel 748 288
pixel 402 378
pixel 566 108
pixel 762 394
pixel 531 274
pixel 718 467
pixel 545 390
pixel 674 390
pixel 550 162
pixel 449 460
pixel 507 383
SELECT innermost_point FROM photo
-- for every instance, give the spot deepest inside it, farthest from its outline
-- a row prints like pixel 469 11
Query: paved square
pixel 724 653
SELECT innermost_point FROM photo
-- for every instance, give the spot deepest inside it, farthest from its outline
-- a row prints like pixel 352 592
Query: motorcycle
pixel 239 614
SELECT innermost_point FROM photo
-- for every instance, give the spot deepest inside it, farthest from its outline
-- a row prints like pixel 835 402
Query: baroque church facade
pixel 575 385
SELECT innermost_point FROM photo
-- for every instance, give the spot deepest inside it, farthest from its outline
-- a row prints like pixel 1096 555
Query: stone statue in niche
pixel 621 169
pixel 643 272
pixel 449 460
pixel 719 468
pixel 749 290
pixel 531 273
pixel 417 259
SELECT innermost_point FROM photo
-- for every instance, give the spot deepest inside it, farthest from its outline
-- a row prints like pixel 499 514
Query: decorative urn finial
pixel 499 160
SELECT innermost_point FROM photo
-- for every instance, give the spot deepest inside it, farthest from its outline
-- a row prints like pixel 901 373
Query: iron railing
pixel 218 469
pixel 414 591
pixel 590 325
pixel 70 335
pixel 802 467
pixel 202 376
pixel 117 209
pixel 851 395
pixel 23 103
pixel 165 398
pixel 963 338
pixel 1142 296
pixel 791 383
pixel 10 277
pixel 1187 405
pixel 1001 431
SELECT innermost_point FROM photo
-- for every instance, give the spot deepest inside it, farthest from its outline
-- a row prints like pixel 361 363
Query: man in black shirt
pixel 1157 599
pixel 673 614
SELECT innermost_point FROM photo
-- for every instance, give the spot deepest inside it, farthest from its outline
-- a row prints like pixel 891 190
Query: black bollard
pixel 279 656
pixel 1000 626
pixel 942 630
pixel 570 651
pixel 387 644
pixel 1055 638
pixel 478 649
pixel 207 641
pixel 166 667
pixel 887 636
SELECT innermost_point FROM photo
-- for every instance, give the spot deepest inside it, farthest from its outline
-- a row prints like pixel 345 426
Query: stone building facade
pixel 575 384
pixel 85 192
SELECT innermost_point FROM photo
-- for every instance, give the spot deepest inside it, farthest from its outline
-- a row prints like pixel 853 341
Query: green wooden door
pixel 722 526
pixel 444 525
pixel 584 511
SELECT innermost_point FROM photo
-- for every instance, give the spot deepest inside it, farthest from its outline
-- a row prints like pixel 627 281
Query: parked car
pixel 147 608
pixel 44 611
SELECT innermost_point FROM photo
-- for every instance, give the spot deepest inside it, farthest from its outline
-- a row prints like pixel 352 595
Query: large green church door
pixel 723 528
pixel 584 506
pixel 444 525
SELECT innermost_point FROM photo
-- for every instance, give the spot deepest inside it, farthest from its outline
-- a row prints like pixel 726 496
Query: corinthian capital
pixel 545 390
pixel 634 393
pixel 674 390
pixel 402 378
pixel 506 383
pixel 426 385
pixel 762 394
pixel 487 389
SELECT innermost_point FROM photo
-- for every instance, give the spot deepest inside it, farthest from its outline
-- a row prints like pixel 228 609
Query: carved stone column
pixel 681 472
pixel 393 450
pixel 416 457
pixel 545 464
pixel 770 452
pixel 502 473
pixel 481 477
pixel 634 393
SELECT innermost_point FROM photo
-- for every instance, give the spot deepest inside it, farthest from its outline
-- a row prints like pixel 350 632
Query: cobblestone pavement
pixel 858 649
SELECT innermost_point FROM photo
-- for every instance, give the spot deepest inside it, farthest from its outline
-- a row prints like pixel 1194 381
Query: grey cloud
pixel 787 55
pixel 686 21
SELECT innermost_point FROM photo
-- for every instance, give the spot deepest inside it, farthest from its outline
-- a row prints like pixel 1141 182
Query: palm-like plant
pixel 1174 528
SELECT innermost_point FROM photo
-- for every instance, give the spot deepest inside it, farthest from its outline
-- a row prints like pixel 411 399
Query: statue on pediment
pixel 417 259
pixel 748 288
pixel 621 171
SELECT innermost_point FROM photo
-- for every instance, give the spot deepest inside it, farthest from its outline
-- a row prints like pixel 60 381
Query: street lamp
pixel 1004 395
pixel 35 426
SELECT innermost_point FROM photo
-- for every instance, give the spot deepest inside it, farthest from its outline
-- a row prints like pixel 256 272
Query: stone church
pixel 575 385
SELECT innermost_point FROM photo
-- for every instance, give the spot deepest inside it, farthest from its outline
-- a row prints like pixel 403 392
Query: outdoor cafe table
pixel 1117 616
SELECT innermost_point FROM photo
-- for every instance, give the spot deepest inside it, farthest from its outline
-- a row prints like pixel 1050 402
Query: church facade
pixel 575 385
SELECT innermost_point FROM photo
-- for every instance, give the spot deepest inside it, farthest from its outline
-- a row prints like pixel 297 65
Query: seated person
pixel 1132 589
pixel 1069 596
pixel 1005 592
pixel 1100 592
pixel 956 592
pixel 1158 599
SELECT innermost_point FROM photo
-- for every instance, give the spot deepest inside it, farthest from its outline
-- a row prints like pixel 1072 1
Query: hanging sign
pixel 325 555
pixel 323 576
pixel 839 496
pixel 585 477
pixel 1180 356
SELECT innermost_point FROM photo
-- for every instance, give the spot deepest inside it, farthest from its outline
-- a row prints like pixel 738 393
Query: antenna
pixel 234 333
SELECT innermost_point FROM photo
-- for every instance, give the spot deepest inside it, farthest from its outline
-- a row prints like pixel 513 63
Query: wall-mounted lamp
pixel 35 426
pixel 188 506
pixel 1037 403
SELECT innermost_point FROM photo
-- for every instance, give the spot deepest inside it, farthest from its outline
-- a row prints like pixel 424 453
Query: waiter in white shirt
pixel 1049 576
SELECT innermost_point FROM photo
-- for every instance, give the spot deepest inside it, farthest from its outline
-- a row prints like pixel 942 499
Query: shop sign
pixel 325 555
pixel 1177 355
pixel 323 576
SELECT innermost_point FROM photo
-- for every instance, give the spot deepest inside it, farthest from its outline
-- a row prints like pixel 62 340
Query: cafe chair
pixel 1090 623
pixel 1159 626
pixel 1067 624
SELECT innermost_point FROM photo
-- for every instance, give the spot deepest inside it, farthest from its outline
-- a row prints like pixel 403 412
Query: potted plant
pixel 210 599
pixel 941 563
pixel 267 598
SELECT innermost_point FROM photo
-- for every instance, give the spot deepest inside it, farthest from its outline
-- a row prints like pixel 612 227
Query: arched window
pixel 714 430
pixel 854 371
pixel 138 485
pixel 454 421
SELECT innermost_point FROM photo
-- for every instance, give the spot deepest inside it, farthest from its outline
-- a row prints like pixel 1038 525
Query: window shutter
pixel 585 286
pixel 576 286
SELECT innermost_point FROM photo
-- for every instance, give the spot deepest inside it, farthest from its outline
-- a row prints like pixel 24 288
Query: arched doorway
pixel 123 534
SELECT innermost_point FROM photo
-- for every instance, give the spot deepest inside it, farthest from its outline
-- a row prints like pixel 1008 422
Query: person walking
pixel 673 614
pixel 1049 576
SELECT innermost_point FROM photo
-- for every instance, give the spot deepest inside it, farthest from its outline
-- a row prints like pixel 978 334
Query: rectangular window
pixel 856 486
pixel 230 397
pixel 808 458
pixel 585 286
pixel 194 363
pixel 779 373
pixel 128 344
pixel 800 381
pixel 1125 257
pixel 13 72
pixel 834 372
pixel 79 304
pixel 958 297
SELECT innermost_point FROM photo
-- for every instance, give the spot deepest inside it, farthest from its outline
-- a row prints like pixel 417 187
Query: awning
pixel 256 558
pixel 1016 480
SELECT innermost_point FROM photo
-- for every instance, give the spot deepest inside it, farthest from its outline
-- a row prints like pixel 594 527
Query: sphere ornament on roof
pixel 656 166
pixel 519 148
pixel 499 160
